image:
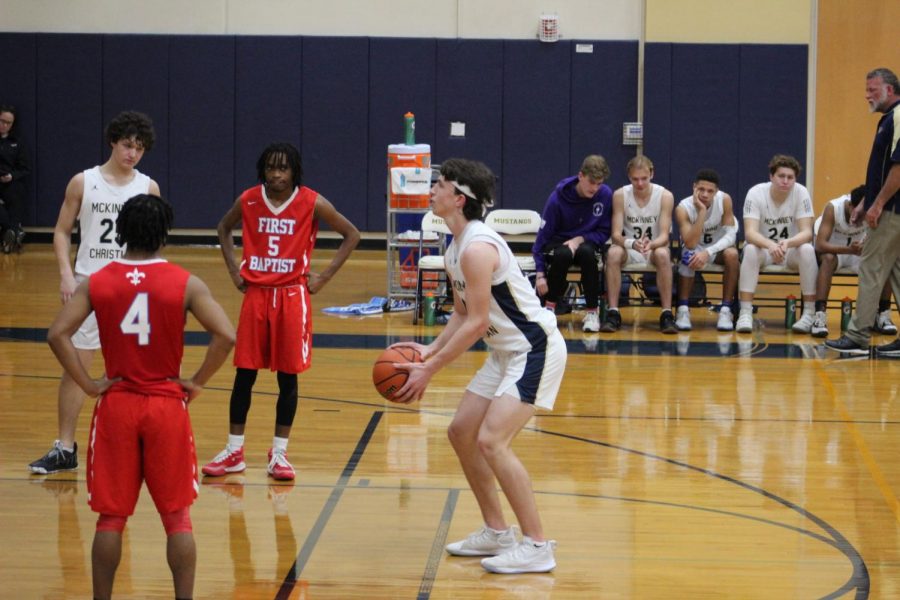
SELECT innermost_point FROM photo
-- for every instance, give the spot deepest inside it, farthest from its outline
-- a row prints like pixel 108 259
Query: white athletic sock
pixel 809 307
pixel 279 444
pixel 747 306
pixel 235 442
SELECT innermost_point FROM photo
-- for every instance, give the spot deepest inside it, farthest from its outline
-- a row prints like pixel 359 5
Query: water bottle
pixel 846 313
pixel 790 311
pixel 409 129
pixel 686 256
pixel 429 308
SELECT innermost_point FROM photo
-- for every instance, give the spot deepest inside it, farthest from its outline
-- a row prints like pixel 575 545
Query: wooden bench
pixel 771 274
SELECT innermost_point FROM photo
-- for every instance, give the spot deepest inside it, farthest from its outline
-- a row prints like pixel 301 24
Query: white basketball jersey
pixel 518 323
pixel 100 206
pixel 712 226
pixel 777 222
pixel 642 221
pixel 843 233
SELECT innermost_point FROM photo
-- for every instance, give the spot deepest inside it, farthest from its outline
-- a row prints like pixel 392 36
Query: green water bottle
pixel 604 307
pixel 846 313
pixel 409 129
pixel 429 308
pixel 790 311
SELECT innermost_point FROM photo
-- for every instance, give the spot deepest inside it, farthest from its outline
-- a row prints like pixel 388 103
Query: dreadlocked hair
pixel 275 151
pixel 144 223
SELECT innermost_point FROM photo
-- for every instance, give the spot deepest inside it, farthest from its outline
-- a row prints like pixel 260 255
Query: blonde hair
pixel 639 162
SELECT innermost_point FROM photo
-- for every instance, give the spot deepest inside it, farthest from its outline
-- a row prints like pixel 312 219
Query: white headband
pixel 465 189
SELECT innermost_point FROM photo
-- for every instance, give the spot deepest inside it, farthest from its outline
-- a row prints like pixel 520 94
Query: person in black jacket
pixel 13 170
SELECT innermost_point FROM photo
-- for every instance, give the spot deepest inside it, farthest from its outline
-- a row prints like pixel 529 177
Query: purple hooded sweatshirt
pixel 567 215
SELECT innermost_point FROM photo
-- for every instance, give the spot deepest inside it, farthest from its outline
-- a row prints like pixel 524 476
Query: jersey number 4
pixel 137 320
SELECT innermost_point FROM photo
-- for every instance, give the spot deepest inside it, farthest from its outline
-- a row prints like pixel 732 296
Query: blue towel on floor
pixel 372 307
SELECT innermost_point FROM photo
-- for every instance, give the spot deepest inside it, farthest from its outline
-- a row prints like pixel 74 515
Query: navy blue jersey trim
pixel 534 334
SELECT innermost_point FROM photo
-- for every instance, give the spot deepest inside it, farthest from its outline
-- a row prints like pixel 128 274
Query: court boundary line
pixel 312 538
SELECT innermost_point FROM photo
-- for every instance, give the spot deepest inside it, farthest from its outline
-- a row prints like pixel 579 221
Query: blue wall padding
pixel 467 90
pixel 136 77
pixel 69 115
pixel 335 117
pixel 604 96
pixel 532 111
pixel 706 100
pixel 658 111
pixel 536 109
pixel 401 79
pixel 268 95
pixel 201 127
pixel 772 115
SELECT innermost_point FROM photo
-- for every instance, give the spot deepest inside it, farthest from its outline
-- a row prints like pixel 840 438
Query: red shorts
pixel 136 438
pixel 275 329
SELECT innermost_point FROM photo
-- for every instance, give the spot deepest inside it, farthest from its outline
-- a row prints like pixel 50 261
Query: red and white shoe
pixel 279 467
pixel 225 462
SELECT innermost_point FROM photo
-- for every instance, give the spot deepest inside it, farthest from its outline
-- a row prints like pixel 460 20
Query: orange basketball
pixel 386 378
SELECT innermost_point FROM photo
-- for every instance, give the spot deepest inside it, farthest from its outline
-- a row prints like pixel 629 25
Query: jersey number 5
pixel 137 320
pixel 273 244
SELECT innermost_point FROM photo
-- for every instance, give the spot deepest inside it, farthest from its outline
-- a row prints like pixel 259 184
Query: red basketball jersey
pixel 140 316
pixel 278 241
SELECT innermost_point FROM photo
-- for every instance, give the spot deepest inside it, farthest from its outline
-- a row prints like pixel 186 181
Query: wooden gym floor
pixel 701 465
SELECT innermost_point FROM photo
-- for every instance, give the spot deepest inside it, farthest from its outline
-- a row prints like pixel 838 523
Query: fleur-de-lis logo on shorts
pixel 135 276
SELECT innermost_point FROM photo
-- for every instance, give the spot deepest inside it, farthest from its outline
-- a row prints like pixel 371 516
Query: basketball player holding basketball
pixel 493 301
pixel 93 199
pixel 280 222
pixel 141 430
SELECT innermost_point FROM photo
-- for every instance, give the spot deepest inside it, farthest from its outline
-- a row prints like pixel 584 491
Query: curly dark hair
pixel 131 124
pixel 273 153
pixel 144 223
pixel 709 175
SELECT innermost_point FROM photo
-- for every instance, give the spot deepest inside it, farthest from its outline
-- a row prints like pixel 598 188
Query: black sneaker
pixel 667 322
pixel 562 308
pixel 845 345
pixel 612 322
pixel 892 349
pixel 9 241
pixel 56 460
pixel 20 238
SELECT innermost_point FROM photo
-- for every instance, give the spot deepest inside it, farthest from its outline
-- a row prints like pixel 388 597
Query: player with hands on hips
pixel 280 220
pixel 141 428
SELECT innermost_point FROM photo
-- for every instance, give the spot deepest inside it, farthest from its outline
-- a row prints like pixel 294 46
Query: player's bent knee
pixel 114 523
pixel 178 521
pixel 730 255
